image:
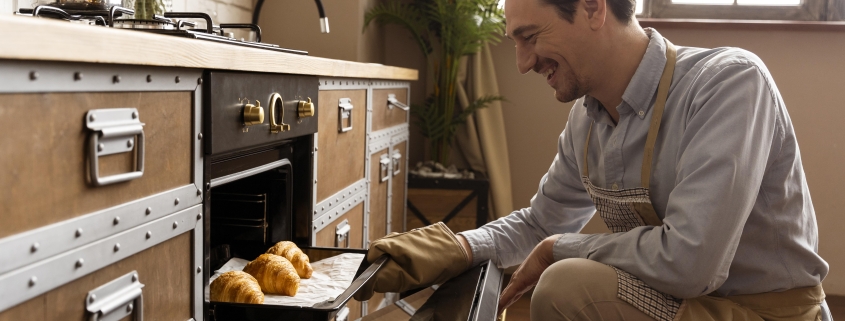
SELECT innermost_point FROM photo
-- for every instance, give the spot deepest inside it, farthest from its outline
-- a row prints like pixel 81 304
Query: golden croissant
pixel 236 286
pixel 275 274
pixel 290 251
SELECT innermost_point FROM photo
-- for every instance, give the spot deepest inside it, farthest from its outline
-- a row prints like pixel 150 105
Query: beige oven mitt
pixel 419 258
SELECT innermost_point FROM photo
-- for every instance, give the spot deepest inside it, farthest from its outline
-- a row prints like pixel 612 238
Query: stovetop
pixel 181 24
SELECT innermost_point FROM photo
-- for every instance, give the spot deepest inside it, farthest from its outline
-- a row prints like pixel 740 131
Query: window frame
pixel 808 10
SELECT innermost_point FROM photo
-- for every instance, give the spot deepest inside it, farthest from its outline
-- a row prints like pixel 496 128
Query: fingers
pixel 512 293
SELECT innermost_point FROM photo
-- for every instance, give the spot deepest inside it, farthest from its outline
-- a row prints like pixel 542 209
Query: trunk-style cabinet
pixel 360 166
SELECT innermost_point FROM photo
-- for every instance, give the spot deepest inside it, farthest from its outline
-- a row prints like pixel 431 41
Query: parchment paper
pixel 330 278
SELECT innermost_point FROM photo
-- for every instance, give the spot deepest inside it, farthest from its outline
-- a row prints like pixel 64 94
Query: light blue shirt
pixel 727 181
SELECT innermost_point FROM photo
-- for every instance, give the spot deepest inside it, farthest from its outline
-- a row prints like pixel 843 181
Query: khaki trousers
pixel 585 290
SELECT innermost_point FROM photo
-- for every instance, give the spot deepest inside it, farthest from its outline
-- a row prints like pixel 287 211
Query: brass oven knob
pixel 253 114
pixel 305 109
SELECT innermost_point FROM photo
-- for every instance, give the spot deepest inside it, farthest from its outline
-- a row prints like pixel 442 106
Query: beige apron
pixel 625 209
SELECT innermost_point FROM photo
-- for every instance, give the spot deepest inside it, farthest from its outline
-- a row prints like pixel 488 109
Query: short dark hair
pixel 622 9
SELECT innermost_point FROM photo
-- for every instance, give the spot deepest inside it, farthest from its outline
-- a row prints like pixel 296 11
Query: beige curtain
pixel 481 144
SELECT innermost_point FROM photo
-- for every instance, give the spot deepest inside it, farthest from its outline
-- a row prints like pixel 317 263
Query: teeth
pixel 549 71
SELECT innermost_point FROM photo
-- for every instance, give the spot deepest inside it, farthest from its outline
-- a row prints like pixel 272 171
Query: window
pixel 806 10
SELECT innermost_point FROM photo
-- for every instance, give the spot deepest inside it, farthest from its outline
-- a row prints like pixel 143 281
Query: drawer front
pixel 164 269
pixel 399 173
pixel 379 178
pixel 383 115
pixel 327 236
pixel 340 154
pixel 46 180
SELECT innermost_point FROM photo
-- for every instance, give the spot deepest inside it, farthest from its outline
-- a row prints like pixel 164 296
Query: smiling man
pixel 687 154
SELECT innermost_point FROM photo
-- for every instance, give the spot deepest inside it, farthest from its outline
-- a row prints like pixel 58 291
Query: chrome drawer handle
pixel 117 299
pixel 342 234
pixel 397 163
pixel 344 113
pixel 392 101
pixel 114 131
pixel 384 166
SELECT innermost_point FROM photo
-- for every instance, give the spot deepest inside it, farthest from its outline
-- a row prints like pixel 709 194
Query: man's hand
pixel 527 275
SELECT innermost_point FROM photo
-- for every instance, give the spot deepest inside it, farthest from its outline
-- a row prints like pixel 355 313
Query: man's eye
pixel 531 37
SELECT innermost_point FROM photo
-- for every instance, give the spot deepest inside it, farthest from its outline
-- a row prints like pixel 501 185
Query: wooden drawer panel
pixel 383 115
pixel 378 198
pixel 397 209
pixel 43 139
pixel 326 236
pixel 340 155
pixel 164 269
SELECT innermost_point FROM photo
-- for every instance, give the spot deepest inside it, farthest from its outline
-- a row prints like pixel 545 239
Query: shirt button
pixel 641 113
pixel 615 187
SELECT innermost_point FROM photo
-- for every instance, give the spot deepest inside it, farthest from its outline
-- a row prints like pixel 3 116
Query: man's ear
pixel 596 12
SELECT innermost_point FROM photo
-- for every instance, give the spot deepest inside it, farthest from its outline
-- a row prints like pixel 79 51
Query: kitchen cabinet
pixel 99 186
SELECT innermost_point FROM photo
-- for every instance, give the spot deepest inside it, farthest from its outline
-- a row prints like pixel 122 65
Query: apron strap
pixel 657 113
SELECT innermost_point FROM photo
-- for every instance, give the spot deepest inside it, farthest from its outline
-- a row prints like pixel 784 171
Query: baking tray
pixel 325 311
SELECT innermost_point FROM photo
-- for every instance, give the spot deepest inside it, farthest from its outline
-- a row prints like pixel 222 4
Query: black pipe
pixel 257 12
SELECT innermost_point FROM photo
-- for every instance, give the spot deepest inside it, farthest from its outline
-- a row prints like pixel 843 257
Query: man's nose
pixel 525 59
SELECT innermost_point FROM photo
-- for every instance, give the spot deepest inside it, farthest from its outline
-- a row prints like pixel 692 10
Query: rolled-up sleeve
pixel 723 156
pixel 561 205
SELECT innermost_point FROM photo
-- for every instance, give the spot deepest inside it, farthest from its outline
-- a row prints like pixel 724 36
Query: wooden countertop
pixel 29 38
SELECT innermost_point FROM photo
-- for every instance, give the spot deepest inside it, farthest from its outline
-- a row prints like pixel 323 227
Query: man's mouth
pixel 549 72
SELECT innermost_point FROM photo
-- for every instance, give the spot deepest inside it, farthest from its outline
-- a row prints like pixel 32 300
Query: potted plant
pixel 445 31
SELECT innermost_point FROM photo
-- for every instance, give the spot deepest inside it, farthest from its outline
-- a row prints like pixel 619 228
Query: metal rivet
pixel 149 78
pixel 199 269
pixel 33 75
pixel 175 224
pixel 79 232
pixel 199 192
pixel 117 247
pixel 129 308
pixel 176 202
pixel 92 298
pixel 199 81
pixel 177 79
pixel 134 114
pixel 32 281
pixel 199 216
pixel 116 220
pixel 149 210
pixel 199 136
pixel 115 79
pixel 79 263
pixel 134 277
pixel 315 149
pixel 34 247
pixel 129 143
pixel 330 203
pixel 315 212
pixel 149 234
pixel 77 76
pixel 100 147
pixel 315 181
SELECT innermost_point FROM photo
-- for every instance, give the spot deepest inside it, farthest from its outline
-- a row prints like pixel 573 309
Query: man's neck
pixel 626 48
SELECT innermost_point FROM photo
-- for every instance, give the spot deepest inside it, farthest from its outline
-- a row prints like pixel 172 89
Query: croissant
pixel 236 286
pixel 275 274
pixel 290 251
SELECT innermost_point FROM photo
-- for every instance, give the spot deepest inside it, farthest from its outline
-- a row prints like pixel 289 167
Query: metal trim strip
pixel 198 294
pixel 386 84
pixel 332 202
pixel 41 277
pixel 252 171
pixel 330 83
pixel 44 242
pixel 22 76
pixel 339 210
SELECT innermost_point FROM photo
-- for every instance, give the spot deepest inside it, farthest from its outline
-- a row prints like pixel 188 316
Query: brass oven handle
pixel 281 126
pixel 344 106
pixel 392 101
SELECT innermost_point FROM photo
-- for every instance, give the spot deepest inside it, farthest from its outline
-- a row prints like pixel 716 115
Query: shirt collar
pixel 643 85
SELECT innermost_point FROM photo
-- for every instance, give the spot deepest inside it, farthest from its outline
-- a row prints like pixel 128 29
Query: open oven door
pixel 471 296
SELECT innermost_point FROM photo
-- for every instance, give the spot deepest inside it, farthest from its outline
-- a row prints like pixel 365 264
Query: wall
pixel 808 69
pixel 226 11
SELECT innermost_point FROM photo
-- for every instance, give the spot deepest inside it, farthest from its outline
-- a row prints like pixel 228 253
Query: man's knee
pixel 575 280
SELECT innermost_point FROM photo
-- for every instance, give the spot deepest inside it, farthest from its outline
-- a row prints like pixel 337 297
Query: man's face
pixel 550 46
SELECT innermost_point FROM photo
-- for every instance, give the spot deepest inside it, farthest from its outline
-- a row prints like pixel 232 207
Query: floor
pixel 521 310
